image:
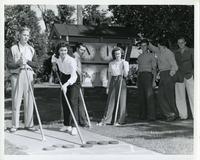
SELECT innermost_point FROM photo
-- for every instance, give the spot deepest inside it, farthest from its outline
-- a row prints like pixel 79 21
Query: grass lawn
pixel 162 137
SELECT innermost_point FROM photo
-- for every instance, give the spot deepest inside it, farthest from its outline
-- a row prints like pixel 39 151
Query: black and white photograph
pixel 100 80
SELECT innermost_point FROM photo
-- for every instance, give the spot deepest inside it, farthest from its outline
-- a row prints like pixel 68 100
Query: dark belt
pixel 117 76
pixel 145 72
pixel 165 71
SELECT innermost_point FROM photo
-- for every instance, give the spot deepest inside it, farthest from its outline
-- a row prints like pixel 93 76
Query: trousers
pixel 112 99
pixel 20 88
pixel 73 94
pixel 181 104
pixel 146 96
pixel 166 95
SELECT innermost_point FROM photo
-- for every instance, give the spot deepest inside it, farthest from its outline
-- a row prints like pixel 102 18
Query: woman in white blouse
pixel 68 67
pixel 118 68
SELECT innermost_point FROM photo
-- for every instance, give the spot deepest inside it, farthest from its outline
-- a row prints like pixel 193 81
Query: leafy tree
pixel 48 17
pixel 65 13
pixel 17 16
pixel 64 16
pixel 93 16
pixel 167 21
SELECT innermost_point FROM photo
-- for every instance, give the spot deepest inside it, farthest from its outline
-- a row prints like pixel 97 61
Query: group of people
pixel 175 71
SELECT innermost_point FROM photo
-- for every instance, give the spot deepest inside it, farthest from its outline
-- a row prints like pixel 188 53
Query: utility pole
pixel 79 15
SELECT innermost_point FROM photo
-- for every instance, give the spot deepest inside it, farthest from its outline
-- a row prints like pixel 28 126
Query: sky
pixel 53 7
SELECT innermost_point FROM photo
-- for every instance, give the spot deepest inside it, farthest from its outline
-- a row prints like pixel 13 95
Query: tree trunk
pixel 79 15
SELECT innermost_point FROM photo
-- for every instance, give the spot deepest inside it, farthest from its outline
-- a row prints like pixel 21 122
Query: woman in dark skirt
pixel 118 69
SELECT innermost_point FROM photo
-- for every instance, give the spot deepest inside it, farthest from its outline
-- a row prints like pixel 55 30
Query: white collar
pixel 65 58
pixel 23 45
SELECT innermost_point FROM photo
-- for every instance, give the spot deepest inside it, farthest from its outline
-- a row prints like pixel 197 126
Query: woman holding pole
pixel 68 67
pixel 117 72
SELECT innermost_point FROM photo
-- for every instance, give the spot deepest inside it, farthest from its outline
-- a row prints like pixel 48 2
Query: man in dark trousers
pixel 146 80
pixel 185 78
pixel 166 91
pixel 80 50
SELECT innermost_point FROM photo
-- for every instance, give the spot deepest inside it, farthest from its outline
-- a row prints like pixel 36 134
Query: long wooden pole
pixel 81 93
pixel 35 105
pixel 70 109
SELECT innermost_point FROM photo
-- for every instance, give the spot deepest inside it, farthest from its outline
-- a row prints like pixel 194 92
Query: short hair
pixel 60 45
pixel 163 42
pixel 144 41
pixel 24 28
pixel 182 37
pixel 78 45
pixel 117 49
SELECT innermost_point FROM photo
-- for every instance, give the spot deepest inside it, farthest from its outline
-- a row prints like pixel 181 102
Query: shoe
pixel 86 126
pixel 13 129
pixel 66 128
pixel 170 118
pixel 182 118
pixel 117 124
pixel 74 131
pixel 101 124
pixel 33 129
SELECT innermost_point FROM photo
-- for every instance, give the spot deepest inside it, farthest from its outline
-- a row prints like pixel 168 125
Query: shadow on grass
pixel 154 136
pixel 159 130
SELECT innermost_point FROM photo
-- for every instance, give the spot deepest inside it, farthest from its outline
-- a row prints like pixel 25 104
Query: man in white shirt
pixel 80 50
pixel 21 55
